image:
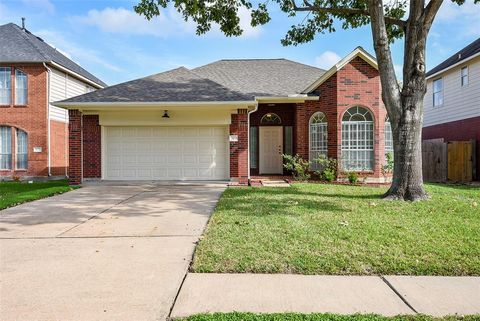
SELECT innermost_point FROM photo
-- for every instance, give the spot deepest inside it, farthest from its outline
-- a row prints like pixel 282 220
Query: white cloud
pixel 468 14
pixel 168 23
pixel 327 59
pixel 73 51
pixel 127 22
pixel 44 5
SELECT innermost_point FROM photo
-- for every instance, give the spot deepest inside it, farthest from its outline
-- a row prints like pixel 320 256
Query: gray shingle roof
pixel 18 45
pixel 177 85
pixel 261 77
pixel 463 54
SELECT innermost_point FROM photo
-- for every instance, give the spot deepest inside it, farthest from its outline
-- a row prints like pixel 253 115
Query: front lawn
pixel 13 193
pixel 236 316
pixel 338 229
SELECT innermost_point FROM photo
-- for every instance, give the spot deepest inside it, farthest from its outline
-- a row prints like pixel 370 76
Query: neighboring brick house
pixel 452 101
pixel 33 133
pixel 231 119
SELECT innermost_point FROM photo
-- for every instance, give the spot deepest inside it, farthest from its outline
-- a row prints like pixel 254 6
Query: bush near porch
pixel 341 229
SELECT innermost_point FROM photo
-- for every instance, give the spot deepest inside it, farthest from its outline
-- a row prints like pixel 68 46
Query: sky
pixel 115 44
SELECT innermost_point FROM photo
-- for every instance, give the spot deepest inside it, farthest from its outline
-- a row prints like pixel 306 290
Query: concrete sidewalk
pixel 271 293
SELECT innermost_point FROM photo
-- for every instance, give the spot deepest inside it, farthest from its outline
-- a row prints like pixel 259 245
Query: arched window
pixel 5 147
pixel 271 119
pixel 22 149
pixel 318 138
pixel 388 137
pixel 21 87
pixel 357 140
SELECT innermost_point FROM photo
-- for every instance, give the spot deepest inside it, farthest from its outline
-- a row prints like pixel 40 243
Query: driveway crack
pixel 100 213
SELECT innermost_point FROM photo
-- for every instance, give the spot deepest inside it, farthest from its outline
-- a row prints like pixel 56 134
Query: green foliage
pixel 352 177
pixel 328 168
pixel 387 168
pixel 342 229
pixel 246 316
pixel 297 166
pixel 321 18
pixel 14 193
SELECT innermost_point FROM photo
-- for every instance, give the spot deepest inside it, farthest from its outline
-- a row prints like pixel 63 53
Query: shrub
pixel 297 166
pixel 352 177
pixel 388 166
pixel 328 168
pixel 16 178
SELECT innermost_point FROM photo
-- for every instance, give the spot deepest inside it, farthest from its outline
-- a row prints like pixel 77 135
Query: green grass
pixel 338 229
pixel 236 316
pixel 13 193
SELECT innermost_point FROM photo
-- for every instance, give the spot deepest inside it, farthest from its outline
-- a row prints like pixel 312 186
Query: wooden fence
pixel 452 161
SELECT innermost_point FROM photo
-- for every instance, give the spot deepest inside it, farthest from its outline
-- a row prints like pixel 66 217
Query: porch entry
pixel 271 150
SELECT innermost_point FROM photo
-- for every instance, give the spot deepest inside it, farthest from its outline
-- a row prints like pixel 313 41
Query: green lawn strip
pixel 15 193
pixel 237 316
pixel 338 229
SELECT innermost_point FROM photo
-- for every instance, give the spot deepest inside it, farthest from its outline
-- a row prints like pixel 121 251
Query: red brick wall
pixel 31 118
pixel 465 129
pixel 239 150
pixel 356 84
pixel 284 111
pixel 59 148
pixel 75 147
pixel 92 149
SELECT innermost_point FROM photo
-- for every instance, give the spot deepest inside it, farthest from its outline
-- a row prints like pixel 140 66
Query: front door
pixel 271 149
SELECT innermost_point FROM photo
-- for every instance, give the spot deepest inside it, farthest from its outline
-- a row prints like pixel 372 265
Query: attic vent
pixel 459 56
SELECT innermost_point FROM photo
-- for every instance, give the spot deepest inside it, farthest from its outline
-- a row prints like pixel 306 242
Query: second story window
pixel 21 87
pixel 5 86
pixel 464 76
pixel 438 92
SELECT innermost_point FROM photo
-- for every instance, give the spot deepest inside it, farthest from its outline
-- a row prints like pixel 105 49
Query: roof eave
pixel 358 52
pixel 453 66
pixel 285 99
pixel 151 105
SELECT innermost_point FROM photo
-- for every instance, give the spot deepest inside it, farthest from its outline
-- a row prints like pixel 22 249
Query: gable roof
pixel 261 77
pixel 19 45
pixel 470 51
pixel 177 85
pixel 357 52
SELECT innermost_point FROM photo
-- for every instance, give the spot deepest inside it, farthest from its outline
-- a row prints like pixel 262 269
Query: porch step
pixel 275 183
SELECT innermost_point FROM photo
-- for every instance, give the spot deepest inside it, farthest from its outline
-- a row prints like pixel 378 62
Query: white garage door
pixel 166 153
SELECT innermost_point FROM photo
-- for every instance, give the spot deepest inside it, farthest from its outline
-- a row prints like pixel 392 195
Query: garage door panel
pixel 156 153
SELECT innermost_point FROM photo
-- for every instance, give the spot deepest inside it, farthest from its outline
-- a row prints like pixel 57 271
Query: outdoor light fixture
pixel 165 114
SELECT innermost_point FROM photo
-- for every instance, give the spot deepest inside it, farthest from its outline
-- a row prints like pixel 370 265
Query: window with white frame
pixel 22 150
pixel 388 137
pixel 357 140
pixel 5 86
pixel 21 87
pixel 464 76
pixel 5 147
pixel 318 138
pixel 438 92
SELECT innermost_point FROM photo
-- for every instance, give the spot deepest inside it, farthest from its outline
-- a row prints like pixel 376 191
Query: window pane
pixel 288 140
pixel 21 90
pixel 5 86
pixel 464 76
pixel 253 147
pixel 437 85
pixel 22 149
pixel 357 140
pixel 5 147
pixel 318 139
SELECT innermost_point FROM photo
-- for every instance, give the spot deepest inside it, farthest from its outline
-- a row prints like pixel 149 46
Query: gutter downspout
pixel 49 156
pixel 248 139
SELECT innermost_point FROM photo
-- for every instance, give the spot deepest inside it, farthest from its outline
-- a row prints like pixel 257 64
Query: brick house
pixel 34 133
pixel 231 119
pixel 452 101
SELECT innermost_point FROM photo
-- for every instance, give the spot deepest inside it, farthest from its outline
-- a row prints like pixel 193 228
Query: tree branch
pixel 343 10
pixel 430 11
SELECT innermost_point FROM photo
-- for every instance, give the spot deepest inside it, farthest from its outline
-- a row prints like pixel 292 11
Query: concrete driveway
pixel 103 252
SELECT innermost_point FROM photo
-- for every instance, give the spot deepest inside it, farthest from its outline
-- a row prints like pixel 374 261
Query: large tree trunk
pixel 407 183
pixel 405 105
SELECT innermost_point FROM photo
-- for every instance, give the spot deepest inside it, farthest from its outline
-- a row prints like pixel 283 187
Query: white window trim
pixel 441 91
pixel 319 150
pixel 467 77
